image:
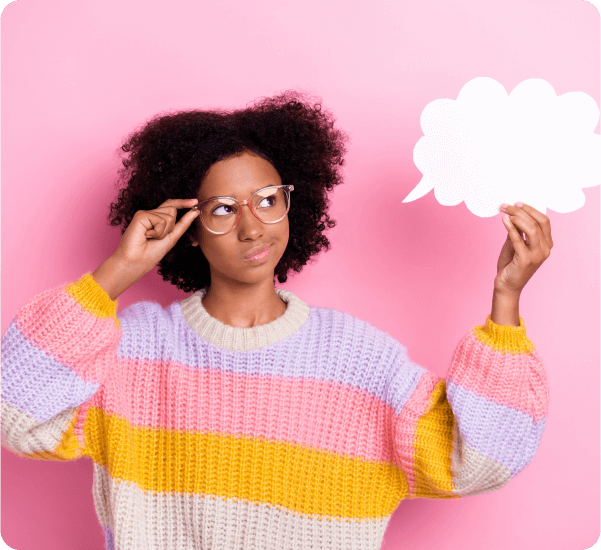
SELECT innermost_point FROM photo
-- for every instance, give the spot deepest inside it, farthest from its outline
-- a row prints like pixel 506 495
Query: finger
pixel 542 220
pixel 170 211
pixel 183 224
pixel 159 230
pixel 516 238
pixel 151 222
pixel 179 203
pixel 528 225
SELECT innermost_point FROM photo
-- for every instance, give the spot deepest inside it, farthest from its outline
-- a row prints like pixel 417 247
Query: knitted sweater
pixel 303 433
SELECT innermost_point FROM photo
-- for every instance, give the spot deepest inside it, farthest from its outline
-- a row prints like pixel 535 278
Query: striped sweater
pixel 303 433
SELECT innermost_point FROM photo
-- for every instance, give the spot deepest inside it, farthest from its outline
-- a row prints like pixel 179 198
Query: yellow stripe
pixel 297 477
pixel 504 338
pixel 433 445
pixel 93 297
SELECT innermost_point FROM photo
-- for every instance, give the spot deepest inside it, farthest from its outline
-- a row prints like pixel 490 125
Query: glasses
pixel 220 215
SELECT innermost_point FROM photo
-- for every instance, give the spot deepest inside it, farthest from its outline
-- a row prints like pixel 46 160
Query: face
pixel 250 252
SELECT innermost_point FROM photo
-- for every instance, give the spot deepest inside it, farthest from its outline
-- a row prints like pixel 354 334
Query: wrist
pixel 505 308
pixel 507 294
pixel 115 276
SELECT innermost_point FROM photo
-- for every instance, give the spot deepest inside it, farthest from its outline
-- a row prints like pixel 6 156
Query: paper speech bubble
pixel 488 147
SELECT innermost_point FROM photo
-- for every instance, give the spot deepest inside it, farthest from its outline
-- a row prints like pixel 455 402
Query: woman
pixel 240 417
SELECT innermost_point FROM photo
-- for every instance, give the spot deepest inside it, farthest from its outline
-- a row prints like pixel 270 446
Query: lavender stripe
pixel 402 387
pixel 35 383
pixel 495 431
pixel 353 353
pixel 109 540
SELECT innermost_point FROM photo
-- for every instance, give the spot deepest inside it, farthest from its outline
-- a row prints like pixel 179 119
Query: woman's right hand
pixel 145 242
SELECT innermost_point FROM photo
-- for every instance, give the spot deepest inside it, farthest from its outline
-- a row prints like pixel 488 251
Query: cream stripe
pixel 25 435
pixel 163 520
pixel 473 473
pixel 245 339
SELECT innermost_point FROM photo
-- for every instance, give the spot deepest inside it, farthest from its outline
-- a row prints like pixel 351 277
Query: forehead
pixel 238 176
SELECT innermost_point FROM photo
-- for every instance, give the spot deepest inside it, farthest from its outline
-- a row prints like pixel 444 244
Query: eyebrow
pixel 232 197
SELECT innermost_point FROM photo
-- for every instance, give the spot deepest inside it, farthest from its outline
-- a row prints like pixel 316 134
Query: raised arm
pixel 473 431
pixel 59 348
pixel 56 354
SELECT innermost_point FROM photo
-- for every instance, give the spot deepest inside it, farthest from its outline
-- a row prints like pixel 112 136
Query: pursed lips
pixel 257 251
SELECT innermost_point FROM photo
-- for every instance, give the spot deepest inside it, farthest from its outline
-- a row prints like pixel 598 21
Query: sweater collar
pixel 245 339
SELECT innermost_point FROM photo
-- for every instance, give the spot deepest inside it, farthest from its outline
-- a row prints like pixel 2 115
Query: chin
pixel 249 276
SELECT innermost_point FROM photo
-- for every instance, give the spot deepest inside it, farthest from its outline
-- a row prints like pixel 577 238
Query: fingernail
pixel 519 204
pixel 503 207
pixel 506 217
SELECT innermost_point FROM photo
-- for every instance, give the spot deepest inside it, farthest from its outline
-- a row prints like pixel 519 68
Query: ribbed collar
pixel 245 339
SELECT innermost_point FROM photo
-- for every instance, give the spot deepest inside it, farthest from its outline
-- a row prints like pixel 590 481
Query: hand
pixel 145 242
pixel 153 233
pixel 519 260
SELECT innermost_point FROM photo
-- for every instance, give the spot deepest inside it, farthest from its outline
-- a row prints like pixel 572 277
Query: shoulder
pixel 366 356
pixel 384 356
pixel 148 311
pixel 149 317
pixel 149 325
pixel 351 330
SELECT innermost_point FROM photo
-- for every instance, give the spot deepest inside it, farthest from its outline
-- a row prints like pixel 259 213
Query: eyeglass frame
pixel 286 188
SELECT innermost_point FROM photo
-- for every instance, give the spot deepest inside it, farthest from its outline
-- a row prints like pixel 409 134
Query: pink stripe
pixel 406 424
pixel 517 381
pixel 319 414
pixel 56 323
pixel 78 428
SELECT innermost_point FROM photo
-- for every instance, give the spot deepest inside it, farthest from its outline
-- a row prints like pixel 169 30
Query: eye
pixel 222 210
pixel 267 202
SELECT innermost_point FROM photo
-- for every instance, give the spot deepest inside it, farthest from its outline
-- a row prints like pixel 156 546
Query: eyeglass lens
pixel 270 205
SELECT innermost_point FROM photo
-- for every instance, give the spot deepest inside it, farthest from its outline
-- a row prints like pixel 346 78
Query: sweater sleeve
pixel 56 354
pixel 473 431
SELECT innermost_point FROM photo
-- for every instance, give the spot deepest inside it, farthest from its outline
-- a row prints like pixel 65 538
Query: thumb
pixel 182 225
pixel 506 255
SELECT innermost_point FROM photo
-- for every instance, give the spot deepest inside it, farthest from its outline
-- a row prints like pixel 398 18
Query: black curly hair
pixel 169 156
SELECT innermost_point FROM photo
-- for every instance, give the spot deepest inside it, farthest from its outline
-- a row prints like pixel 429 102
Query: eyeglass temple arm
pixel 196 206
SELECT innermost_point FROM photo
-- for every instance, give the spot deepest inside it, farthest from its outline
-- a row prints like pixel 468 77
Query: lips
pixel 257 252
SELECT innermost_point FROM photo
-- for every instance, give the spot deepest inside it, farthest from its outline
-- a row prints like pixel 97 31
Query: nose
pixel 249 227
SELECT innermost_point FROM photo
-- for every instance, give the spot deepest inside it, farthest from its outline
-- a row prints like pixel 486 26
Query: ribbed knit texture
pixel 304 433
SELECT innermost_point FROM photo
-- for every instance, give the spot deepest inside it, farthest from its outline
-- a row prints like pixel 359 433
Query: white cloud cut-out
pixel 488 147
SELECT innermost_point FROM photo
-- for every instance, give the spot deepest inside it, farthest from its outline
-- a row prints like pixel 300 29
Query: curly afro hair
pixel 170 155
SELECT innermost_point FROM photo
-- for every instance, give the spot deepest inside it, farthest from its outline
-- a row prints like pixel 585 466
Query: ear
pixel 193 240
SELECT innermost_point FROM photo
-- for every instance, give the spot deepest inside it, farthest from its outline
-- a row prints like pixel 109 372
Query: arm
pixel 474 431
pixel 56 354
pixel 58 349
pixel 505 309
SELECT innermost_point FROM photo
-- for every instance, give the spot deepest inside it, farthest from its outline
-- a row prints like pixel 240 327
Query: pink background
pixel 79 75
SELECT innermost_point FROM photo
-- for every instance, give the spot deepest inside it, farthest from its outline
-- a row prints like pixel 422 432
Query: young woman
pixel 240 417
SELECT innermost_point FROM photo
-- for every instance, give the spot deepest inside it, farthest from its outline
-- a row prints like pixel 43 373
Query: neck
pixel 243 305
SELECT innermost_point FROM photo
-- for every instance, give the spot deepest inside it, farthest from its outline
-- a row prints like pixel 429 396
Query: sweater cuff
pixel 504 338
pixel 92 297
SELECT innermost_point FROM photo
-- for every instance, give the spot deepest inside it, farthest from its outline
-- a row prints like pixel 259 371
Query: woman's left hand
pixel 518 259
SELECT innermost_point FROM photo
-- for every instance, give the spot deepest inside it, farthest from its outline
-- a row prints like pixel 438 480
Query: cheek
pixel 283 237
pixel 211 248
pixel 219 251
